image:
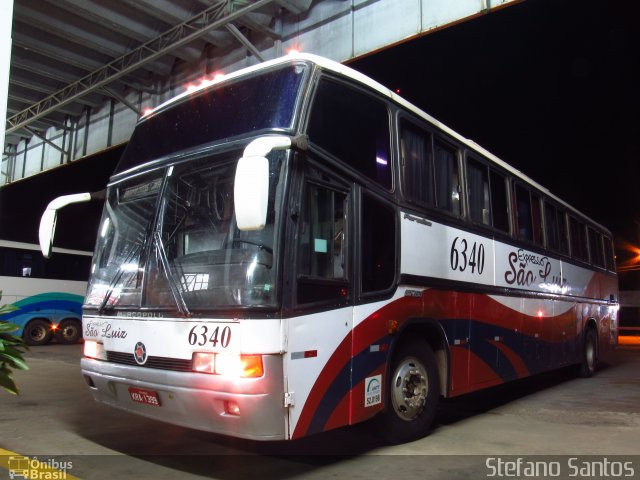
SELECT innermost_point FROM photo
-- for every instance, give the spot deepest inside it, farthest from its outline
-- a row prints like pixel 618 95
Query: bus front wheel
pixel 412 393
pixel 37 332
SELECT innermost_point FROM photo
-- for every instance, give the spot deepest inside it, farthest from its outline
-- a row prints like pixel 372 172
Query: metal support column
pixel 6 20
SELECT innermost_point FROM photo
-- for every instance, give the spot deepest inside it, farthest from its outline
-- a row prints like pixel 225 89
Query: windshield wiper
pixel 112 285
pixel 174 286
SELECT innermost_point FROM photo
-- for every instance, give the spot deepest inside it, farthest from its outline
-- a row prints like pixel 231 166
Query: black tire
pixel 589 361
pixel 69 331
pixel 412 393
pixel 37 332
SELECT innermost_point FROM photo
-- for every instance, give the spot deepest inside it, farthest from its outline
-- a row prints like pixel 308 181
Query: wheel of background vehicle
pixel 69 331
pixel 37 332
pixel 589 361
pixel 412 393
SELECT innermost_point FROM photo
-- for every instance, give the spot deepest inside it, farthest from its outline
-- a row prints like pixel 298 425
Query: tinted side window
pixel 595 248
pixel 523 213
pixel 354 127
pixel 417 162
pixel 499 199
pixel 578 239
pixel 487 196
pixel 378 254
pixel 551 227
pixel 608 254
pixel 528 216
pixel 478 191
pixel 536 219
pixel 563 233
pixel 447 178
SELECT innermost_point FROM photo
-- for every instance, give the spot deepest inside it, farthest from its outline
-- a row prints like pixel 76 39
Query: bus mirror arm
pixel 50 215
pixel 251 186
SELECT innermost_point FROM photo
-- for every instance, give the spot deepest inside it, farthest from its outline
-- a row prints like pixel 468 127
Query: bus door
pixel 318 356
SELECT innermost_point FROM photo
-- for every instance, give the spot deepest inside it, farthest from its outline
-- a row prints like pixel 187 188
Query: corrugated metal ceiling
pixel 70 54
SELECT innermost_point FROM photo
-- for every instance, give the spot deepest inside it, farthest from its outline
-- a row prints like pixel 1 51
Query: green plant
pixel 11 349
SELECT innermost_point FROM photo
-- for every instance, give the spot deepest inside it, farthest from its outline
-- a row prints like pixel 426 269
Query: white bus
pixel 294 248
pixel 44 296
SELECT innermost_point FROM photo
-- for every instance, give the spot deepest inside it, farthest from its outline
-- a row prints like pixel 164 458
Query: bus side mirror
pixel 251 186
pixel 50 215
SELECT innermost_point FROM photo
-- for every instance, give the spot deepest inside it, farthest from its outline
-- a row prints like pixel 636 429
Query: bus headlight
pixel 228 365
pixel 93 349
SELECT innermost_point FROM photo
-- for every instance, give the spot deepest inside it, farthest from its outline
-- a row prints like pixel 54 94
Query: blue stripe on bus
pixel 54 306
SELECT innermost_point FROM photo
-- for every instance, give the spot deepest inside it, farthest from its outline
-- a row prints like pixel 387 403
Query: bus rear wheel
pixel 412 393
pixel 69 331
pixel 589 361
pixel 37 332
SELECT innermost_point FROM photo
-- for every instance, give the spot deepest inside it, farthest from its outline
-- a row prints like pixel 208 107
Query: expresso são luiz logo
pixel 140 353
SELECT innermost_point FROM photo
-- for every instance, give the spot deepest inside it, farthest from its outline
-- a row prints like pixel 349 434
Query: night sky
pixel 550 86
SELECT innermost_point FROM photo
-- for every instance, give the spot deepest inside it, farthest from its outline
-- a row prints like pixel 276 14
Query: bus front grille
pixel 161 363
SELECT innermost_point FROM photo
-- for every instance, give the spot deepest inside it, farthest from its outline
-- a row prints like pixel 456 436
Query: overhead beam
pixel 121 99
pixel 176 37
pixel 254 25
pixel 244 41
pixel 45 140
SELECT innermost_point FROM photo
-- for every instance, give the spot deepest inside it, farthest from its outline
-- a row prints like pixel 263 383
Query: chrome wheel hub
pixel 409 389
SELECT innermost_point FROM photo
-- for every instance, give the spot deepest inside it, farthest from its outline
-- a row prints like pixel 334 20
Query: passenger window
pixel 478 188
pixel 378 254
pixel 608 254
pixel 499 199
pixel 354 127
pixel 322 246
pixel 563 232
pixel 523 213
pixel 529 219
pixel 536 219
pixel 595 248
pixel 578 240
pixel 417 161
pixel 447 178
pixel 430 170
pixel 551 227
pixel 487 195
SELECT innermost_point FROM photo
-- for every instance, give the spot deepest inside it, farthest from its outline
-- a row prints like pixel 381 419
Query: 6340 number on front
pixel 211 335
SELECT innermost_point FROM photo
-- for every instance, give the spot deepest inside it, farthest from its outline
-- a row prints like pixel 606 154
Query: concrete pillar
pixel 6 21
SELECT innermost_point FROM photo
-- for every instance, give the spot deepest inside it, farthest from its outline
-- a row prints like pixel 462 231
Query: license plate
pixel 148 397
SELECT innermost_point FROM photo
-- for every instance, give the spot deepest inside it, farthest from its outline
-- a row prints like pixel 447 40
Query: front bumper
pixel 197 400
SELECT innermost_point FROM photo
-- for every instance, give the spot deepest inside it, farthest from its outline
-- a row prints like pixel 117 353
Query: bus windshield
pixel 168 240
pixel 245 106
